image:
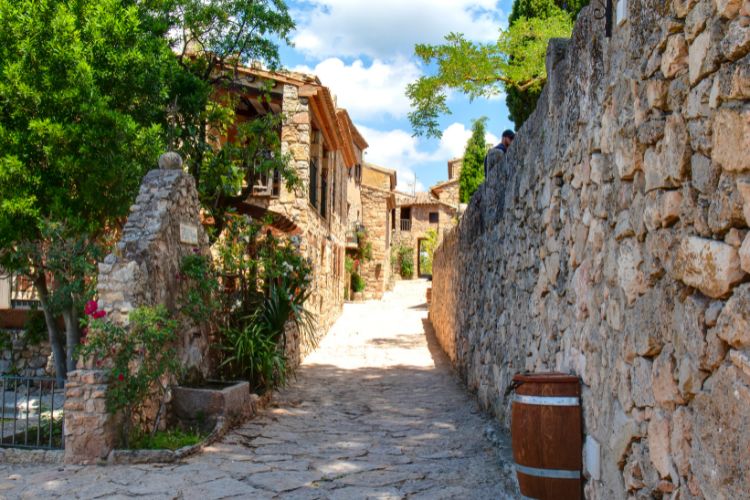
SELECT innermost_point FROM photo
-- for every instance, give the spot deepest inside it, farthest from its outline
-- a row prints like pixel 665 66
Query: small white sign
pixel 622 12
pixel 188 234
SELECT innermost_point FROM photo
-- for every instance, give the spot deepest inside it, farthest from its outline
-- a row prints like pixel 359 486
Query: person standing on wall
pixel 505 143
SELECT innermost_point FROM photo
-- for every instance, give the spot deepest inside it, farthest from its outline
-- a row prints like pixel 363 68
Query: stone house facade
pixel 326 149
pixel 613 242
pixel 417 214
pixel 378 203
pixel 448 192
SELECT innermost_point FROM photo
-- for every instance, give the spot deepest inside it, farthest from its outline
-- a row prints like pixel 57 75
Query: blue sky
pixel 364 51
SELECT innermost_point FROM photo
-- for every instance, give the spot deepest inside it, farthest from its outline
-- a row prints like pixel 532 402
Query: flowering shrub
pixel 141 360
pixel 266 285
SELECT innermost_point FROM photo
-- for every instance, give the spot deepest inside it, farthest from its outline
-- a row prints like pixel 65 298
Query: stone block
pixel 704 54
pixel 736 42
pixel 704 174
pixel 725 209
pixel 658 444
pixel 733 325
pixel 728 9
pixel 681 8
pixel 631 278
pixel 666 392
pixel 721 430
pixel 697 19
pixel 666 165
pixel 675 57
pixel 732 82
pixel 745 254
pixel 624 430
pixel 711 266
pixel 641 377
pixel 743 186
pixel 656 93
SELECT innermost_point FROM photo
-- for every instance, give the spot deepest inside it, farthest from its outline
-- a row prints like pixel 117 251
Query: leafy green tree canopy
pixel 472 172
pixel 515 64
pixel 82 99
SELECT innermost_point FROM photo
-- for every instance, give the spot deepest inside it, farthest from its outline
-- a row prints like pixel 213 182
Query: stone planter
pixel 358 297
pixel 202 406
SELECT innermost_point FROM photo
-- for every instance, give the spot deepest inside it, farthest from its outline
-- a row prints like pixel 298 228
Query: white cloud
pixel 400 151
pixel 386 28
pixel 368 92
pixel 453 142
pixel 395 149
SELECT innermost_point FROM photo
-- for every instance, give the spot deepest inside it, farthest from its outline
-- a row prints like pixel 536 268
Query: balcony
pixel 405 225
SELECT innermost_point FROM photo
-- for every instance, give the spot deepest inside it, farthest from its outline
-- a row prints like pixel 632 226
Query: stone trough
pixel 203 406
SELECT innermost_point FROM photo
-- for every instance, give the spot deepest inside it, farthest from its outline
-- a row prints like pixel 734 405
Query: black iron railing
pixel 32 413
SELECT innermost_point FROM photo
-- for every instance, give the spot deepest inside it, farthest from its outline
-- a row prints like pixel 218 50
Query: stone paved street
pixel 375 413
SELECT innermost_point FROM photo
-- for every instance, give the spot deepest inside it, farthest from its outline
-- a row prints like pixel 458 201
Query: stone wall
pixel 377 205
pixel 612 242
pixel 20 356
pixel 322 240
pixel 420 225
pixel 90 431
pixel 163 227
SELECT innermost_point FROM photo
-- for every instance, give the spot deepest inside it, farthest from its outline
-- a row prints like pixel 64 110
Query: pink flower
pixel 84 332
pixel 99 314
pixel 91 307
pixel 121 377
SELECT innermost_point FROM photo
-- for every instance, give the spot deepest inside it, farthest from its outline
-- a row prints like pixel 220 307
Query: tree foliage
pixel 472 172
pixel 82 94
pixel 514 65
pixel 91 92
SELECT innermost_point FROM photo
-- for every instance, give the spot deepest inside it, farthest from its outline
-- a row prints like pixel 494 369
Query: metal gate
pixel 32 413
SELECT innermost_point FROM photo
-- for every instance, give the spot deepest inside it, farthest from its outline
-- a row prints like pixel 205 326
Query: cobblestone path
pixel 374 413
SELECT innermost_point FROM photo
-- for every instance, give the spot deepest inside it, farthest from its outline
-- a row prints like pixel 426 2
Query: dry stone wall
pixel 163 227
pixel 612 242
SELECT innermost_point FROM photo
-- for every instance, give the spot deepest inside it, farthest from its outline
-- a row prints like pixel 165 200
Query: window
pixel 314 182
pixel 324 194
pixel 393 219
pixel 434 217
pixel 267 184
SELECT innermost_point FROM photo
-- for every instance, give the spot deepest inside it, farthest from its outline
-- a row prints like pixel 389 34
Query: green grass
pixel 172 439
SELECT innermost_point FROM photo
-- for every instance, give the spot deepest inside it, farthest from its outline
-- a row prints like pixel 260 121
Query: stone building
pixel 613 242
pixel 17 298
pixel 378 203
pixel 417 214
pixel 327 151
pixel 448 192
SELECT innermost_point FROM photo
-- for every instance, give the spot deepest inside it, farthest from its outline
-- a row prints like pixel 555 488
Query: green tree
pixel 82 98
pixel 472 172
pixel 513 65
pixel 427 251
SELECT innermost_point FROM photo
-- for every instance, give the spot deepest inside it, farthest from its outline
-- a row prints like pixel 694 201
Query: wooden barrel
pixel 547 436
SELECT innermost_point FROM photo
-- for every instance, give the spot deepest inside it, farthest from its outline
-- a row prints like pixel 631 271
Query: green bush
pixel 406 262
pixel 267 283
pixel 358 283
pixel 141 360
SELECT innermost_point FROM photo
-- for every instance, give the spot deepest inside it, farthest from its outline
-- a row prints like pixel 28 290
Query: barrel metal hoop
pixel 546 400
pixel 548 473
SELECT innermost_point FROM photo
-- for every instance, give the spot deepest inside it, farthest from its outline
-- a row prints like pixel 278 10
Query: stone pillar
pixel 90 431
